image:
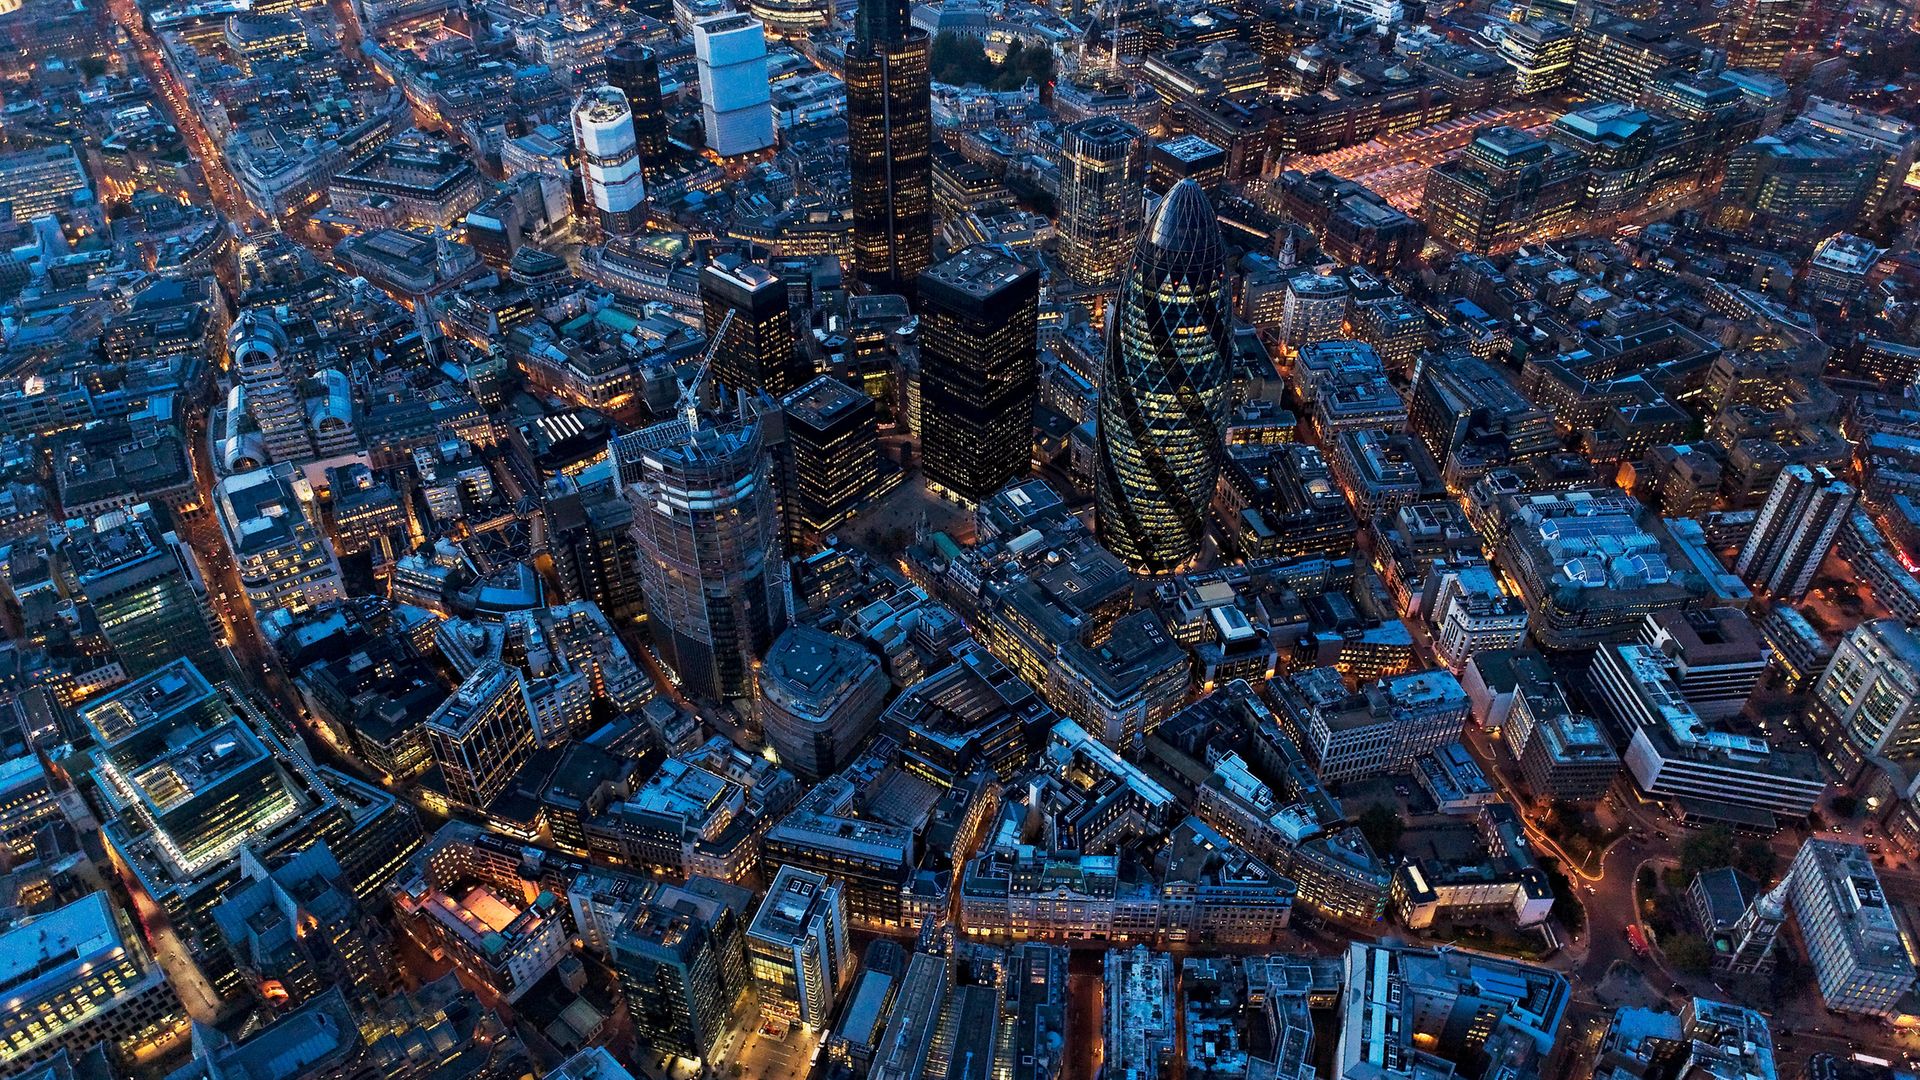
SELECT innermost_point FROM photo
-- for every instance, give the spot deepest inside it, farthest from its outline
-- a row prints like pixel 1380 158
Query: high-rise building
pixel 792 18
pixel 1861 958
pixel 1795 530
pixel 482 734
pixel 736 101
pixel 797 950
pixel 709 531
pixel 1763 33
pixel 137 581
pixel 890 147
pixel 819 697
pixel 980 370
pixel 832 457
pixel 80 977
pixel 591 536
pixel 1315 309
pixel 682 965
pixel 635 69
pixel 1101 202
pixel 1506 188
pixel 268 519
pixel 1163 397
pixel 259 352
pixel 1870 692
pixel 609 152
pixel 757 352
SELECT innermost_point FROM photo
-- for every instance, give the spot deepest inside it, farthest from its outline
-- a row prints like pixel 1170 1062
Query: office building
pixel 413 179
pixel 1540 50
pixel 609 153
pixel 1762 34
pixel 1101 173
pixel 832 458
pixel 1375 732
pixel 1188 157
pixel 736 102
pixel 871 861
pixel 28 803
pixel 1569 757
pixel 1801 183
pixel 757 352
pixel 268 518
pixel 979 365
pixel 635 70
pixel 296 931
pixel 482 734
pixel 1506 188
pixel 590 534
pixel 1163 396
pixel 80 977
pixel 682 965
pixel 890 147
pixel 260 355
pixel 797 949
pixel 1893 139
pixel 1716 655
pixel 1471 614
pixel 144 594
pixel 1707 768
pixel 471 897
pixel 1795 530
pixel 1141 1023
pixel 1314 310
pixel 1406 1010
pixel 708 526
pixel 1861 958
pixel 820 695
pixel 44 180
pixel 1869 695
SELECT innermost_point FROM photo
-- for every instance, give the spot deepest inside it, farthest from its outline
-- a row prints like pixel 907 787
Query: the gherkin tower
pixel 1163 400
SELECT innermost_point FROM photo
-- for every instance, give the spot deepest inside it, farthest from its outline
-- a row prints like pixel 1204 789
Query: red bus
pixel 1637 938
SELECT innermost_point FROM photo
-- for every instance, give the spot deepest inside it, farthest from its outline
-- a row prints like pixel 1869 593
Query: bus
pixel 1637 938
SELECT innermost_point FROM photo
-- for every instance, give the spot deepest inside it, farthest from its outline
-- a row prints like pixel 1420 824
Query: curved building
pixel 261 358
pixel 1163 399
pixel 791 18
pixel 708 527
pixel 635 69
pixel 819 697
pixel 609 160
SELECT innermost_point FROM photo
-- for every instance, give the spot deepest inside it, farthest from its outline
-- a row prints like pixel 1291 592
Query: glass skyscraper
pixel 1163 399
pixel 890 147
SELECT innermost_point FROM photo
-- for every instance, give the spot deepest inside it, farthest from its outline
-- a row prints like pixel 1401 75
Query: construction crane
pixel 689 404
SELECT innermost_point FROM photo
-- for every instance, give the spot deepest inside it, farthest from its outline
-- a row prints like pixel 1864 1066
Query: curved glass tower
pixel 1163 399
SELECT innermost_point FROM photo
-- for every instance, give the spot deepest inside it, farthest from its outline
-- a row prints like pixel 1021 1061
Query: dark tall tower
pixel 832 458
pixel 633 68
pixel 979 370
pixel 1163 397
pixel 890 140
pixel 758 350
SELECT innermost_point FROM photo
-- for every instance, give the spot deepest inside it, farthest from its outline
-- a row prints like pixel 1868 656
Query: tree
pixel 1382 827
pixel 1709 849
pixel 1690 954
pixel 1566 906
pixel 1845 805
pixel 1757 860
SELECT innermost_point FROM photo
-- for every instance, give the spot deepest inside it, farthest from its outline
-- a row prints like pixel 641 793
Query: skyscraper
pixel 735 100
pixel 635 69
pixel 603 136
pixel 1761 33
pixel 979 370
pixel 709 533
pixel 757 351
pixel 1870 692
pixel 1101 173
pixel 134 577
pixel 890 147
pixel 832 457
pixel 1163 398
pixel 1795 530
pixel 258 349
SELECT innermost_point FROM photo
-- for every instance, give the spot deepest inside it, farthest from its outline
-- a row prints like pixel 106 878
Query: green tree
pixel 1845 805
pixel 1566 905
pixel 1756 859
pixel 1382 827
pixel 1689 953
pixel 1708 849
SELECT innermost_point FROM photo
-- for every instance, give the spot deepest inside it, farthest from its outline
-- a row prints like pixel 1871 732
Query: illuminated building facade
pixel 979 371
pixel 1163 399
pixel 1101 173
pixel 889 143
